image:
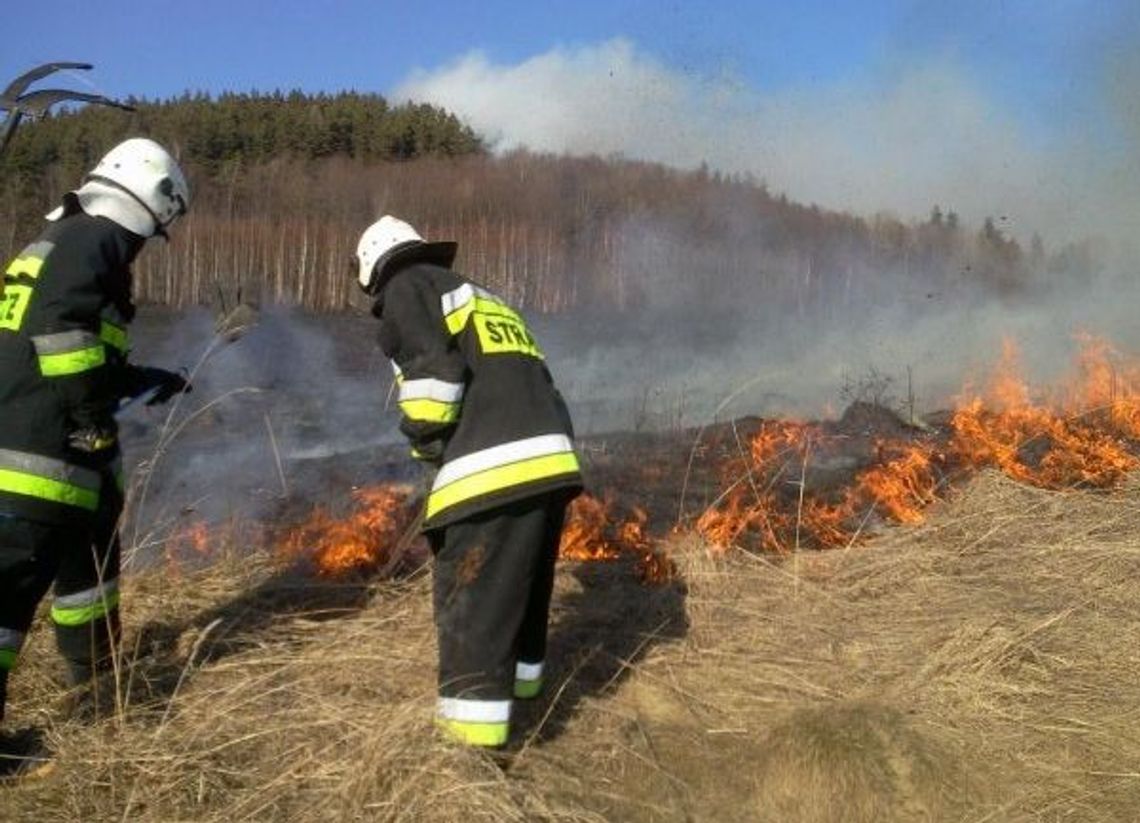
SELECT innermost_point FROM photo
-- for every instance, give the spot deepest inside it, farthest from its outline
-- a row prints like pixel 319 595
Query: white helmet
pixel 138 185
pixel 390 242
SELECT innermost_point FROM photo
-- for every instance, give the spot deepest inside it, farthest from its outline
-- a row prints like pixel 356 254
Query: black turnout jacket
pixel 476 397
pixel 64 311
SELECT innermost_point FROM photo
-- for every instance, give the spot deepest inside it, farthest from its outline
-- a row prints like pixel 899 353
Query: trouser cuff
pixel 528 680
pixel 475 722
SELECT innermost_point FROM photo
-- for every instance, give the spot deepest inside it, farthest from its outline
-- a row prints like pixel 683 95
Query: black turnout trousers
pixel 82 561
pixel 493 578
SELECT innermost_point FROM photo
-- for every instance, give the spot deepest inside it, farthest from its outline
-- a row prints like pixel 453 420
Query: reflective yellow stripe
pixel 27 266
pixel 10 643
pixel 527 689
pixel 72 362
pixel 476 734
pixel 81 615
pixel 57 491
pixel 458 318
pixel 430 411
pixel 114 336
pixel 502 477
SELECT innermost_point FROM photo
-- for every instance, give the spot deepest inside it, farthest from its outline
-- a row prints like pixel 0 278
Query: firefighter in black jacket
pixel 64 309
pixel 478 405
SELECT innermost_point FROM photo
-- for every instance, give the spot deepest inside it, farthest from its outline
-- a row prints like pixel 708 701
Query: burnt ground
pixel 296 414
pixel 676 475
pixel 977 667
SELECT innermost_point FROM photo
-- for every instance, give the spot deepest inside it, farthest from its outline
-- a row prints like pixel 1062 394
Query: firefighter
pixel 482 413
pixel 64 311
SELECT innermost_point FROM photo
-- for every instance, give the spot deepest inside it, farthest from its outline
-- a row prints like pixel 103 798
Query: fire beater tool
pixel 19 103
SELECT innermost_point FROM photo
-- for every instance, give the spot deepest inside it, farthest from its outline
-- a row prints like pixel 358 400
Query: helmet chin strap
pixel 159 228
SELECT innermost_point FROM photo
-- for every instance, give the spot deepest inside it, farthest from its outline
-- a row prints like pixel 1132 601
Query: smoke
pixel 905 134
pixel 721 333
pixel 923 132
pixel 702 346
pixel 289 415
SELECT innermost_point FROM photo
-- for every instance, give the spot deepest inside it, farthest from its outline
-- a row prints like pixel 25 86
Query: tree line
pixel 284 183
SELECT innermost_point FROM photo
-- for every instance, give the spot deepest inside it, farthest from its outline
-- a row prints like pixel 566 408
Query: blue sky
pixel 1042 83
pixel 1035 53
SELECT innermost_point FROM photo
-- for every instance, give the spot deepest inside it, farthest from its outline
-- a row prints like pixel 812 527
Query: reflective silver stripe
pixel 460 297
pixel 396 369
pixel 65 341
pixel 11 639
pixel 528 671
pixel 40 249
pixel 452 300
pixel 474 711
pixel 428 388
pixel 88 597
pixel 502 455
pixel 49 468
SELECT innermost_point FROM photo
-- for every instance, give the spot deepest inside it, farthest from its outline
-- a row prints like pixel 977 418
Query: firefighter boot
pixel 90 667
pixel 22 754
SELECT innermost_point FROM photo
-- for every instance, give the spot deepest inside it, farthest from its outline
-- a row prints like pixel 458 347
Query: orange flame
pixel 584 537
pixel 197 538
pixel 796 484
pixel 191 541
pixel 1037 444
pixel 590 534
pixel 1084 437
pixel 361 541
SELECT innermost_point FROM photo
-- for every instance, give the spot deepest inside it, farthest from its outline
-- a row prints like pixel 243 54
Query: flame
pixel 197 538
pixel 592 533
pixel 1107 384
pixel 362 541
pixel 898 487
pixel 1076 442
pixel 584 536
pixel 188 541
pixel 902 486
pixel 787 485
pixel 1083 433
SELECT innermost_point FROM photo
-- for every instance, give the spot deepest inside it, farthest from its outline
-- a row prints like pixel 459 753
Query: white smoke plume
pixel 926 133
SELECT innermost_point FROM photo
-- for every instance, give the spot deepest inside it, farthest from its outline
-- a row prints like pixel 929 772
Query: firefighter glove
pixel 429 452
pixel 167 383
pixel 92 439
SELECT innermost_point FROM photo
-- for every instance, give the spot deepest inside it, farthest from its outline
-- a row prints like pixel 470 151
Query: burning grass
pixel 976 666
pixel 1084 433
pixel 778 486
pixel 594 532
pixel 372 538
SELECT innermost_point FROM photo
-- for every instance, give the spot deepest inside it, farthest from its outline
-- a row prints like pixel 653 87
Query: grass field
pixel 984 666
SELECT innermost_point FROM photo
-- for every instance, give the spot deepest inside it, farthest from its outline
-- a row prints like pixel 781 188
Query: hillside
pixel 976 667
pixel 284 183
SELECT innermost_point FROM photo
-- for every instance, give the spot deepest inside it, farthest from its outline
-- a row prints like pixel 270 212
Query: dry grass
pixel 985 666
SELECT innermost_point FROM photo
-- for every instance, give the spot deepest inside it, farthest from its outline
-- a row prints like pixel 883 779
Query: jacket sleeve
pixel 78 350
pixel 431 373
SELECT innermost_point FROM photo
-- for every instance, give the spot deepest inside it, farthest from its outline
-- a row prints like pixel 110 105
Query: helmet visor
pixel 166 189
